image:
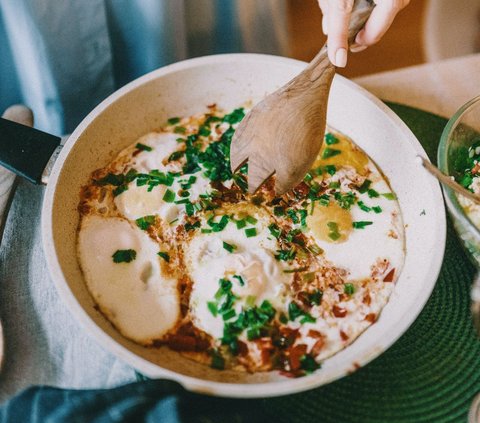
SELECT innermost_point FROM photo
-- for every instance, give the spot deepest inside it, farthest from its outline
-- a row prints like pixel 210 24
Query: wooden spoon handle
pixel 360 13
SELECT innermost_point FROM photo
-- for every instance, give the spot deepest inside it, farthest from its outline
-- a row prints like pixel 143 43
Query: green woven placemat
pixel 432 373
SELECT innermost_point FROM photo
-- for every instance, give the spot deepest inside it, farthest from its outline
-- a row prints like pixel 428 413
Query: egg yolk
pixel 330 223
pixel 349 155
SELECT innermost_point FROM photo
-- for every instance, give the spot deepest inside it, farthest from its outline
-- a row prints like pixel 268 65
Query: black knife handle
pixel 24 150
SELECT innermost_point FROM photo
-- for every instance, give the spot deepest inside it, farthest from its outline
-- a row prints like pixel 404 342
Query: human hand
pixel 336 17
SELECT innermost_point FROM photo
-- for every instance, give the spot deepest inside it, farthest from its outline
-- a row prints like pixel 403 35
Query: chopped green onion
pixel 164 256
pixel 377 209
pixel 361 224
pixel 229 247
pixel 189 209
pixel 308 363
pixel 169 196
pixel 173 120
pixel 372 193
pixel 389 196
pixel 240 279
pixel 206 231
pixel 143 147
pixel 278 211
pixel 365 186
pixel 124 256
pixel 331 139
pixel 212 306
pixel 218 362
pixel 229 314
pixel 349 288
pixel 250 232
pixel 180 130
pixel 145 222
pixel 176 155
pixel 315 297
pixel 330 152
pixel 364 207
pixel 241 223
pixel 331 169
pixel 275 230
pixel 251 220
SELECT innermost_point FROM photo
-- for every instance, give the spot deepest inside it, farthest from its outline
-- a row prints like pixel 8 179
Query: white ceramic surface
pixel 228 80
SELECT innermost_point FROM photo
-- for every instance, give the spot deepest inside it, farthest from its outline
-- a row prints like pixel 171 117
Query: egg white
pixel 137 297
pixel 253 259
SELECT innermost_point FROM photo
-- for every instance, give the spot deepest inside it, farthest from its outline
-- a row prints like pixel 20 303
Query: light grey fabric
pixel 43 343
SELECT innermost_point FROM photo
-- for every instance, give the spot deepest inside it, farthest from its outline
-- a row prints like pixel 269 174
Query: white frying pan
pixel 229 80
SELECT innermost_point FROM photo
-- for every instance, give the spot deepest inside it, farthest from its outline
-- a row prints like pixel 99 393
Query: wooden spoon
pixel 283 133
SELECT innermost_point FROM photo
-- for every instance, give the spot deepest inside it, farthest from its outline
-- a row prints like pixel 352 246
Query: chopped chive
pixel 192 226
pixel 164 256
pixel 251 220
pixel 334 236
pixel 372 193
pixel 334 185
pixel 189 209
pixel 220 226
pixel 283 318
pixel 229 314
pixel 253 333
pixel 330 152
pixel 275 230
pixel 212 306
pixel 241 223
pixel 218 362
pixel 124 256
pixel 180 130
pixel 240 279
pixel 204 131
pixel 333 226
pixel 145 222
pixel 377 209
pixel 169 196
pixel 331 169
pixel 143 147
pixel 331 139
pixel 365 186
pixel 229 247
pixel 119 190
pixel 250 300
pixel 173 120
pixel 250 232
pixel 308 177
pixel 389 196
pixel 206 231
pixel 364 207
pixel 278 211
pixel 315 297
pixel 361 224
pixel 349 288
pixel 308 363
pixel 176 155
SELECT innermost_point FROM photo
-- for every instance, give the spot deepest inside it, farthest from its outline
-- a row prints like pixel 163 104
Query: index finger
pixel 379 21
pixel 339 12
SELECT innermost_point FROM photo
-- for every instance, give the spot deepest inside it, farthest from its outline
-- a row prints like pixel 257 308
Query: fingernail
pixel 356 48
pixel 341 58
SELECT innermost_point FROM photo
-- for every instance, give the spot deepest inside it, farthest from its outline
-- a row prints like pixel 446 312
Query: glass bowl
pixel 461 132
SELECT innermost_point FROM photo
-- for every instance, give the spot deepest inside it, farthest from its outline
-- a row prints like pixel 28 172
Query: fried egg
pixel 138 297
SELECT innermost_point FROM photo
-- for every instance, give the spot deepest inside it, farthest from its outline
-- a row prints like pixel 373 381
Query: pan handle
pixel 26 151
